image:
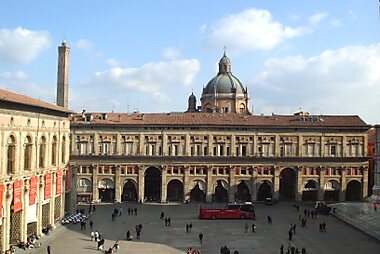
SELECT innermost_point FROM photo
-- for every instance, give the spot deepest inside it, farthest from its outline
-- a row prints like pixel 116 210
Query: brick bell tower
pixel 63 75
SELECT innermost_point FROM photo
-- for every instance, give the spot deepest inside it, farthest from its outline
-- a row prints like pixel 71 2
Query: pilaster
pixel 299 186
pixel 254 185
pixel 209 187
pixel 365 182
pixel 118 144
pixel 321 189
pixel 40 199
pixel 164 144
pixel 24 217
pixel 210 142
pixel 140 184
pixel 117 184
pixel 186 182
pixel 300 142
pixel 187 145
pixel 163 184
pixel 231 190
pixel 276 183
pixel 52 199
pixel 343 180
pixel 96 143
pixel 233 145
pixel 141 145
pixel 277 145
pixel 95 190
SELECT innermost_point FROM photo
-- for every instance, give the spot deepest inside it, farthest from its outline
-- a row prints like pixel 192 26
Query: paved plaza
pixel 157 238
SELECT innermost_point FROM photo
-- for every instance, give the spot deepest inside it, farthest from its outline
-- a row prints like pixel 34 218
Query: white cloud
pixel 13 75
pixel 318 17
pixel 335 22
pixel 171 53
pixel 113 62
pixel 203 28
pixel 21 45
pixel 249 30
pixel 151 78
pixel 338 81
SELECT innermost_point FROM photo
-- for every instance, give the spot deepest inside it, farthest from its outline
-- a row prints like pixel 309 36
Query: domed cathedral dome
pixel 224 93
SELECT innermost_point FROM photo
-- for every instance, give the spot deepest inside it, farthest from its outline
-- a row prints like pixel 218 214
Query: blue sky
pixel 321 56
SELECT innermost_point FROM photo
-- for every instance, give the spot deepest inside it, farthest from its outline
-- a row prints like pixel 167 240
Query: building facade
pixel 34 154
pixel 209 157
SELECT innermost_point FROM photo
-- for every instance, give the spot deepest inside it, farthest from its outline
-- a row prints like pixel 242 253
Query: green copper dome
pixel 224 81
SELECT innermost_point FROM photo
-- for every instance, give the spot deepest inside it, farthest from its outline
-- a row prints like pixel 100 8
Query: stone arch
pixel 288 183
pixel 331 189
pixel 106 189
pixel 84 190
pixel 152 184
pixel 354 190
pixel 243 191
pixel 221 188
pixel 242 108
pixel 198 190
pixel 175 190
pixel 129 190
pixel 28 149
pixel 310 191
pixel 265 190
pixel 42 151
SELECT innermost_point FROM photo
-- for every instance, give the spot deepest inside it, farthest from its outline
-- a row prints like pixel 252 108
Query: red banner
pixel 58 186
pixel 47 189
pixel 17 196
pixel 1 199
pixel 33 190
pixel 68 179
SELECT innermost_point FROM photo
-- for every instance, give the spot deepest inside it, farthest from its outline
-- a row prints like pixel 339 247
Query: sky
pixel 321 56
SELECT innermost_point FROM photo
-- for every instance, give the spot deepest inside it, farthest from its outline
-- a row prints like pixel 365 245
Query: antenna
pixel 113 108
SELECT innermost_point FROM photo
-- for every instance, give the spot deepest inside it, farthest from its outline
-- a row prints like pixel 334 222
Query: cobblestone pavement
pixel 339 238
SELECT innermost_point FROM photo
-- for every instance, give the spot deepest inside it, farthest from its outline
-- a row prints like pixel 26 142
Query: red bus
pixel 231 211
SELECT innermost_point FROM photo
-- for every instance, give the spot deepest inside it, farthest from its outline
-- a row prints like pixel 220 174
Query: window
pixel 11 159
pixel 333 150
pixel 225 110
pixel 244 150
pixel 63 150
pixel 28 153
pixel 199 150
pixel 42 151
pixel 83 148
pixel 54 151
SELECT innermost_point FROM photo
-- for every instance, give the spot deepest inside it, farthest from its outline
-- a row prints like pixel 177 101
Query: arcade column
pixel 141 184
pixel 254 185
pixel 321 189
pixel 163 184
pixel 117 184
pixel 95 190
pixel 299 185
pixel 231 190
pixel 343 185
pixel 276 183
pixel 209 188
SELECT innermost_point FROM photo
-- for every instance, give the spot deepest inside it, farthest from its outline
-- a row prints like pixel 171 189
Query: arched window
pixel 28 146
pixel 63 150
pixel 11 159
pixel 54 151
pixel 42 152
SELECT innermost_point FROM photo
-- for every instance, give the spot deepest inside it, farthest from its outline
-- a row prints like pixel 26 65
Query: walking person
pixel 190 227
pixel 92 235
pixel 253 227
pixel 269 219
pixel 135 211
pixel 169 221
pixel 162 216
pixel 48 249
pixel 166 221
pixel 246 228
pixel 96 236
pixel 91 224
pixel 200 238
pixel 290 234
pixel 282 249
pixel 294 228
pixel 187 228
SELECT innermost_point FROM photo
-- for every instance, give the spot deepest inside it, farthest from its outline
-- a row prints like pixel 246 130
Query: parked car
pixel 322 207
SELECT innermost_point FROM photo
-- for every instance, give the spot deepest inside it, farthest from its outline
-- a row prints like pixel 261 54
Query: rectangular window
pixel 333 150
pixel 244 150
pixel 83 149
pixel 228 151
pixel 129 147
pixel 214 151
pixel 221 150
pixel 199 150
pixel 205 151
pixel 192 151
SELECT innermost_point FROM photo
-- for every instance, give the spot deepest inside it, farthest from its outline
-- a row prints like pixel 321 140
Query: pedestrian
pixel 282 249
pixel 236 252
pixel 200 238
pixel 294 228
pixel 303 250
pixel 162 216
pixel 91 224
pixel 113 216
pixel 138 234
pixel 96 236
pixel 116 246
pixel 375 206
pixel 48 249
pixel 169 221
pixel 129 211
pixel 135 211
pixel 93 208
pixel 269 219
pixel 324 226
pixel 166 221
pixel 190 227
pixel 293 250
pixel 297 251
pixel 140 226
pixel 187 228
pixel 92 235
pixel 290 234
pixel 120 210
pixel 253 227
pixel 298 208
pixel 246 228
pixel 84 225
pixel 129 236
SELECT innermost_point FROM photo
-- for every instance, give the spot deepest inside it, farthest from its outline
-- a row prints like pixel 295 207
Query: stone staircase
pixel 360 216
